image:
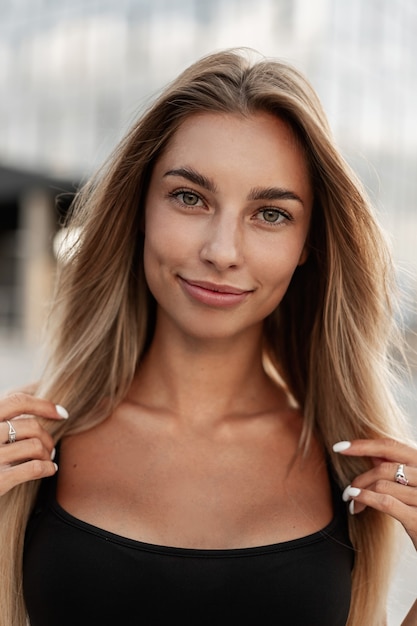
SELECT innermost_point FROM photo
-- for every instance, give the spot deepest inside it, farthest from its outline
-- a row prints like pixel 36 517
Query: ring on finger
pixel 12 432
pixel 400 476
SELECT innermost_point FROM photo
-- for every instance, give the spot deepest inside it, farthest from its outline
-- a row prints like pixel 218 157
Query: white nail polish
pixel 352 492
pixel 352 507
pixel 345 495
pixel 53 454
pixel 56 467
pixel 61 411
pixel 341 446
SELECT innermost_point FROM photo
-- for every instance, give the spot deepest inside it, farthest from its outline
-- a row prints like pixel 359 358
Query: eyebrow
pixel 194 177
pixel 257 193
pixel 273 193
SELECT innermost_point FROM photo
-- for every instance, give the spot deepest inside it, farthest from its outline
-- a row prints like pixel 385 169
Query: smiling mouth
pixel 217 288
pixel 212 294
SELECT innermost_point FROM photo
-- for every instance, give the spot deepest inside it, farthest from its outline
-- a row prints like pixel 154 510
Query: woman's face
pixel 227 217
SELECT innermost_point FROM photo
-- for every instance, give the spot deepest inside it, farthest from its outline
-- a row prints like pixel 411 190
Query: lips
pixel 213 294
pixel 215 287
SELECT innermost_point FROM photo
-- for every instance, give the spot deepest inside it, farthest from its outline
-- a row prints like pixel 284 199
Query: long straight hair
pixel 330 340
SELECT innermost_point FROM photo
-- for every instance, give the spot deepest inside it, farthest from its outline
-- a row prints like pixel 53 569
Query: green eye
pixel 189 198
pixel 271 215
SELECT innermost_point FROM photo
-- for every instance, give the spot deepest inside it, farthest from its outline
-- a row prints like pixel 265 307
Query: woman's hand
pixel 383 486
pixel 26 448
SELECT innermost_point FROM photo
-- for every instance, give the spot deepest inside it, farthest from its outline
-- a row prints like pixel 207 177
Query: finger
pixel 29 428
pixel 26 450
pixel 31 470
pixel 385 471
pixel 390 505
pixel 386 449
pixel 17 404
pixel 405 494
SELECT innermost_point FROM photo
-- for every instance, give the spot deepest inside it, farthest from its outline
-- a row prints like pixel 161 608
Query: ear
pixel 304 255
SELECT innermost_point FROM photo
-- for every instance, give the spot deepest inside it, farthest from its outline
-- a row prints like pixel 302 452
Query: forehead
pixel 259 148
pixel 260 123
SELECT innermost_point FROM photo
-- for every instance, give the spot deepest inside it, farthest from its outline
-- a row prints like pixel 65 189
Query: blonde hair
pixel 330 339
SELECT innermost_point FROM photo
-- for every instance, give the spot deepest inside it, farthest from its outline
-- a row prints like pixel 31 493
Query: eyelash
pixel 280 212
pixel 180 192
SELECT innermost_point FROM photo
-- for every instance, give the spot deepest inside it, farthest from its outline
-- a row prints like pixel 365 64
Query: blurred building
pixel 75 73
pixel 31 207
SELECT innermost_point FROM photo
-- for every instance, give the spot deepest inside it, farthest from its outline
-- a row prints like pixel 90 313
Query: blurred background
pixel 74 74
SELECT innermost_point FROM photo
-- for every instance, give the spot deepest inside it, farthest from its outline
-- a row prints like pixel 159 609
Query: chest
pixel 193 491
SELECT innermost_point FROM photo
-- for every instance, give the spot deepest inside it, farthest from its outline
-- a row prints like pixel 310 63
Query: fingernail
pixel 341 446
pixel 345 495
pixel 62 412
pixel 352 492
pixel 53 454
pixel 352 507
pixel 56 467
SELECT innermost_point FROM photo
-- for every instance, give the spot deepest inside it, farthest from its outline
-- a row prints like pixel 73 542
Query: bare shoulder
pixel 95 460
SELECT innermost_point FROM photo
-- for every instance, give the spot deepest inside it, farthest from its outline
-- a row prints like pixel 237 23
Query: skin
pixel 378 488
pixel 215 231
pixel 29 458
pixel 201 399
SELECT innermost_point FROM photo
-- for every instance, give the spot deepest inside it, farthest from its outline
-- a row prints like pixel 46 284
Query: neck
pixel 205 379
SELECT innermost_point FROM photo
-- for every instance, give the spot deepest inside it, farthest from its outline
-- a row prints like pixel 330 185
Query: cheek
pixel 152 244
pixel 148 267
pixel 279 261
pixel 164 250
pixel 165 230
pixel 165 246
pixel 275 269
pixel 155 268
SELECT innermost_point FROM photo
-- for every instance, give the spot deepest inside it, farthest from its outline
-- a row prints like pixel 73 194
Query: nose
pixel 223 242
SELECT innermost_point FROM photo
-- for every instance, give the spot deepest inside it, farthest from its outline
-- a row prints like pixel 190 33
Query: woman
pixel 224 319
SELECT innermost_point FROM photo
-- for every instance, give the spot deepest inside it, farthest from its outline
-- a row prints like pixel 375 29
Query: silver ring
pixel 12 432
pixel 400 476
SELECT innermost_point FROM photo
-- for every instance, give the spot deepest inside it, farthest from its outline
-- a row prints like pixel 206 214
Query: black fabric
pixel 77 574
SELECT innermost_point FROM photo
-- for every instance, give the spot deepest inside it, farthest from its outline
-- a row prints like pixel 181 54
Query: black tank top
pixel 75 574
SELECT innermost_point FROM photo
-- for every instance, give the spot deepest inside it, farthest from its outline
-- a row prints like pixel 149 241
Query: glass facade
pixel 75 73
